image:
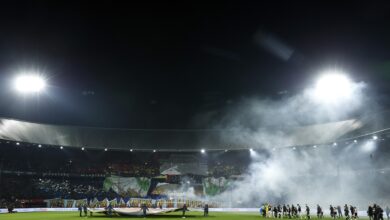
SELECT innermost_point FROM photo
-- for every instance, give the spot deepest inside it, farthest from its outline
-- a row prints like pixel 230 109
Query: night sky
pixel 123 64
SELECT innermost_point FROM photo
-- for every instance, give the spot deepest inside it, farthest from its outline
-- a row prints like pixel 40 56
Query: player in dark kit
pixel 346 212
pixel 264 210
pixel 352 211
pixel 284 210
pixel 380 212
pixel 288 211
pixel 355 211
pixel 293 211
pixel 275 211
pixel 144 209
pixel 370 212
pixel 299 210
pixel 279 211
pixel 85 208
pixel 307 212
pixel 375 211
pixel 206 210
pixel 320 214
pixel 184 210
pixel 332 212
pixel 80 208
pixel 109 210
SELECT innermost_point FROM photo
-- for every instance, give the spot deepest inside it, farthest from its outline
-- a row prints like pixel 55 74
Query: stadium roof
pixel 169 140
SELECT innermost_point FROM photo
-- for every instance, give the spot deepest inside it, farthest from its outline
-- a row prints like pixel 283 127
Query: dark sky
pixel 123 64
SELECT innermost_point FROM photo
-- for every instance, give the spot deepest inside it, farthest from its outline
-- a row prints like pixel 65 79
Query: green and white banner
pixel 127 186
pixel 214 186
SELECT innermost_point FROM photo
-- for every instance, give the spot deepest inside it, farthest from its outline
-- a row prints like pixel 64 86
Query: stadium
pixel 194 110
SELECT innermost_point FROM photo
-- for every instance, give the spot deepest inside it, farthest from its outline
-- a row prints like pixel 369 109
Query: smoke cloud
pixel 307 175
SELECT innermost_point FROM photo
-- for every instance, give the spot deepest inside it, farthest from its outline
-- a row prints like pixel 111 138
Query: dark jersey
pixel 346 211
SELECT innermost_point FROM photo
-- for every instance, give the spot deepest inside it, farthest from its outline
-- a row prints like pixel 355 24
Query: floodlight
pixel 29 83
pixel 315 146
pixel 61 147
pixel 17 143
pixel 332 87
pixel 203 151
pixel 131 150
pixel 354 141
pixel 251 150
pixel 374 137
pixel 154 151
pixel 39 145
pixel 105 149
pixel 334 144
pixel 82 148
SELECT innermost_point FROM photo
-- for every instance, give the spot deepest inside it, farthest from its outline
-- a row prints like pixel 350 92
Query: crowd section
pixel 29 187
pixel 29 172
pixel 68 188
pixel 52 161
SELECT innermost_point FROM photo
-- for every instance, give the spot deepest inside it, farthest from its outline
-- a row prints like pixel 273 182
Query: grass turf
pixel 170 216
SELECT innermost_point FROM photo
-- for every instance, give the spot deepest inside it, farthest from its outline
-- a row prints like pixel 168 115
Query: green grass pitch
pixel 170 216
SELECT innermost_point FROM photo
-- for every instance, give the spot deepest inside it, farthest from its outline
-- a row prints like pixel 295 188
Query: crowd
pixel 134 170
pixel 52 161
pixel 66 188
pixel 78 168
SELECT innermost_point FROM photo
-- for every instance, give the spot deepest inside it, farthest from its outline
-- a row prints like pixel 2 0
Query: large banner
pixel 214 186
pixel 103 203
pixel 127 186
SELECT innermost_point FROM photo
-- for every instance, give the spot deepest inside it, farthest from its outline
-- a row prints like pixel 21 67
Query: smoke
pixel 266 123
pixel 307 175
pixel 324 175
